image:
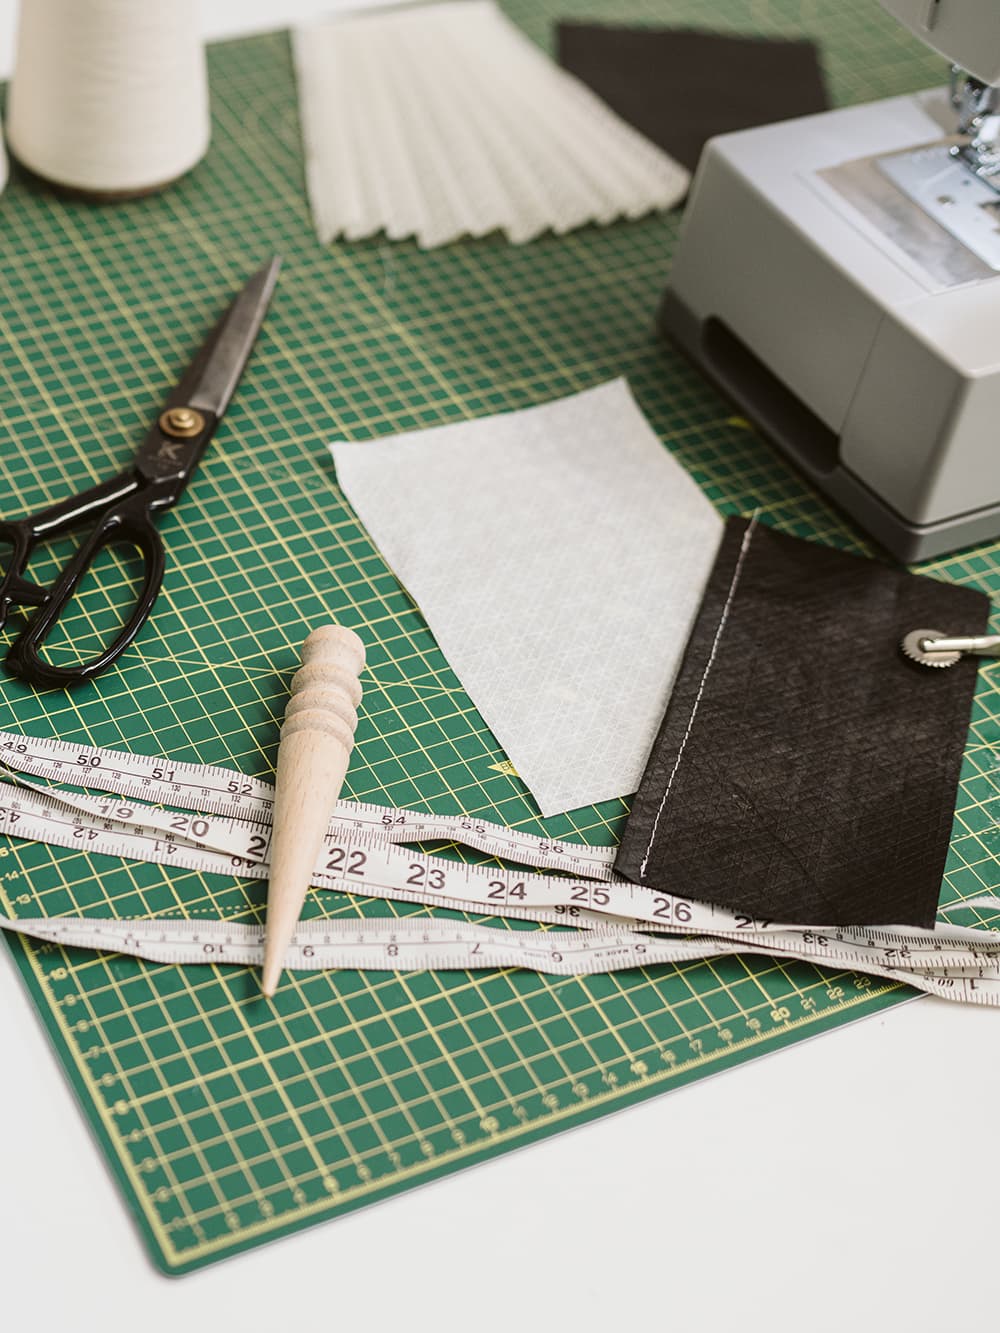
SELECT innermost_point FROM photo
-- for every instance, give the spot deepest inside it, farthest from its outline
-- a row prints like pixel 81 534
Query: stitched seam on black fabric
pixel 744 547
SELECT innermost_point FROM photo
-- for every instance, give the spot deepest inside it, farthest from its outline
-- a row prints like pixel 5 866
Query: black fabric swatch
pixel 679 87
pixel 805 770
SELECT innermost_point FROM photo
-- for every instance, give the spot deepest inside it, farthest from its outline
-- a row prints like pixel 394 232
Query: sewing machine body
pixel 862 335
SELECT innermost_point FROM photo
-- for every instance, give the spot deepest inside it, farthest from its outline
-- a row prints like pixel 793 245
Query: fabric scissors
pixel 126 505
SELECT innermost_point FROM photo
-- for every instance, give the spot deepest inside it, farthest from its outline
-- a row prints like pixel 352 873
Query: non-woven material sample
pixel 680 87
pixel 443 120
pixel 559 555
pixel 805 771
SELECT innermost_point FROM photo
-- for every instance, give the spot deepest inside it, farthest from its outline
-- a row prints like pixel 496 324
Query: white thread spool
pixel 108 97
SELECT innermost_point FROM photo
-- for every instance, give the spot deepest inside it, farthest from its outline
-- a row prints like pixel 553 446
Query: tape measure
pixel 420 945
pixel 223 826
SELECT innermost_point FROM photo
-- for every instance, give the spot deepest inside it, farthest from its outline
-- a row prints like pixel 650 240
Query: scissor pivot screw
pixel 182 422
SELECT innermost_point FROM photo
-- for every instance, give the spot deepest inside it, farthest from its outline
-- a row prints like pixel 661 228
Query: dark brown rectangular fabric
pixel 805 770
pixel 679 87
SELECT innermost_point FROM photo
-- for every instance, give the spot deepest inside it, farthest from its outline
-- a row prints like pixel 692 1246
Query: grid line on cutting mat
pixel 229 1120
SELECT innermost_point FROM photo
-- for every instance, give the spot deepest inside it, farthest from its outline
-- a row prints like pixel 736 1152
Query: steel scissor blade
pixel 212 377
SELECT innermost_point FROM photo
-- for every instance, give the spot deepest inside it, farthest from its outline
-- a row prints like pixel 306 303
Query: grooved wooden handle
pixel 317 737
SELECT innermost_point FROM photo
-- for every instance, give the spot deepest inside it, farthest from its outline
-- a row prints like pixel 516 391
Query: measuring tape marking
pixel 234 796
pixel 897 952
pixel 410 945
pixel 383 871
pixel 358 828
pixel 383 945
pixel 38 816
pixel 368 863
pixel 360 859
pixel 378 869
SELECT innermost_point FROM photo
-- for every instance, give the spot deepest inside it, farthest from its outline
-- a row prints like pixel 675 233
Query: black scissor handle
pixel 128 521
pixel 23 534
pixel 16 590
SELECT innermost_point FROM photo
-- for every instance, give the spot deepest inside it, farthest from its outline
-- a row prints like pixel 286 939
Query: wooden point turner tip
pixel 316 741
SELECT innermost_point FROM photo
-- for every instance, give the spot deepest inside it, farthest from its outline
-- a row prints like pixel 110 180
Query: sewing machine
pixel 836 276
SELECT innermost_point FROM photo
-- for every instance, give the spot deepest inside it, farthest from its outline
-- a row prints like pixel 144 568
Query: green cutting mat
pixel 229 1120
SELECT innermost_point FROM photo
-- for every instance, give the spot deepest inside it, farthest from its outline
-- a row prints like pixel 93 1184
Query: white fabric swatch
pixel 559 555
pixel 443 120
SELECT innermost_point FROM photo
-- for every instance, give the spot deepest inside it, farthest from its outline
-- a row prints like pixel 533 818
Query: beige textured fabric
pixel 559 555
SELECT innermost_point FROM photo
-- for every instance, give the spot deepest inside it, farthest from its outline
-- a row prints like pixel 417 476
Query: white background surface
pixel 847 1182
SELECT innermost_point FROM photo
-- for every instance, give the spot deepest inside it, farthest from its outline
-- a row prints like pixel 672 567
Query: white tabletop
pixel 846 1182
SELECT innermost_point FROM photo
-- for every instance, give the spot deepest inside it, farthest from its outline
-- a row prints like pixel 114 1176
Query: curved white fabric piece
pixel 559 555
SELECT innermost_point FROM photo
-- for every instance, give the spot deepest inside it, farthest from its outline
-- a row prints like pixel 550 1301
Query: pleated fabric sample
pixel 444 120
